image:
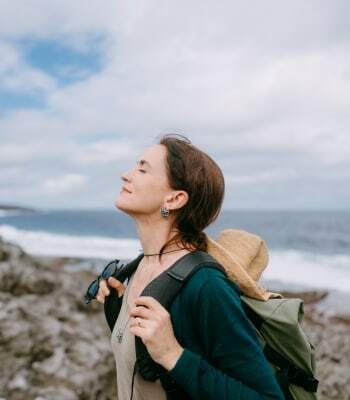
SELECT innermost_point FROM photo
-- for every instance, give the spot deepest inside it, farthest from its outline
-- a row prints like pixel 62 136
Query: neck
pixel 153 235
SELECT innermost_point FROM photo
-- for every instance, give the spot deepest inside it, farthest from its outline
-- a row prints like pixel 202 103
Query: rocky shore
pixel 55 347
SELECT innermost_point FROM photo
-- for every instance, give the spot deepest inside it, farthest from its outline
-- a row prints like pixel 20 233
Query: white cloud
pixel 10 57
pixel 12 153
pixel 259 177
pixel 65 183
pixel 103 152
pixel 73 23
pixel 16 75
pixel 254 80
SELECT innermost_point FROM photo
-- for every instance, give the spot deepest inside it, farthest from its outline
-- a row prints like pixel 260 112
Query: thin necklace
pixel 165 252
pixel 120 331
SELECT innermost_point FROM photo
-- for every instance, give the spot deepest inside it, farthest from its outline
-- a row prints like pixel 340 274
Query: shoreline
pixel 330 301
pixel 327 300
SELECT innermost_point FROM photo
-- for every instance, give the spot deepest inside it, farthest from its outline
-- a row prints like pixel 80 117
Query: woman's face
pixel 147 187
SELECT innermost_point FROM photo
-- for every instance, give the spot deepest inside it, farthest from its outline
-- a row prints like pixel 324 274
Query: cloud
pixel 14 154
pixel 18 76
pixel 259 177
pixel 73 23
pixel 65 183
pixel 256 85
pixel 103 152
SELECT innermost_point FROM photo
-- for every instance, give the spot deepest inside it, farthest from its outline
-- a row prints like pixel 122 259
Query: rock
pixel 332 342
pixel 52 364
pixel 339 318
pixel 311 296
pixel 55 347
pixel 52 345
pixel 18 382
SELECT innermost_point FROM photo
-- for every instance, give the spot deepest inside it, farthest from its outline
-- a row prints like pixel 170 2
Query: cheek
pixel 149 184
pixel 152 187
pixel 152 194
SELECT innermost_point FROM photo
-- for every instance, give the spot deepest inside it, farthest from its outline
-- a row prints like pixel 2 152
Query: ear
pixel 176 200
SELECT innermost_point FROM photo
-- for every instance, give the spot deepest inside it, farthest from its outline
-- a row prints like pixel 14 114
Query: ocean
pixel 308 249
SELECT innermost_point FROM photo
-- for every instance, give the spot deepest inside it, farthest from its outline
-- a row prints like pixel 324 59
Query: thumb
pixel 114 283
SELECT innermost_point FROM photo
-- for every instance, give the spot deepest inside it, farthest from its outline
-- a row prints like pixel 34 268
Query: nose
pixel 125 176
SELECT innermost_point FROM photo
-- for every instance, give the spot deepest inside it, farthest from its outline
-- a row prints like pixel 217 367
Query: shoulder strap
pixel 112 302
pixel 165 288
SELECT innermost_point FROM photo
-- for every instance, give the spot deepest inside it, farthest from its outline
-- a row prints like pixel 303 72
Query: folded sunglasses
pixel 111 269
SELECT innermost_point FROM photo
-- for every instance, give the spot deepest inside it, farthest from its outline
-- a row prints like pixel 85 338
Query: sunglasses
pixel 111 269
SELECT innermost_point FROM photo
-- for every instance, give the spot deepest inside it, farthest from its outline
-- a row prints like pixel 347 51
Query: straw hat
pixel 244 257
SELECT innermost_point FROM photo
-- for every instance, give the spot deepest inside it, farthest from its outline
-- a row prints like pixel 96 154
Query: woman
pixel 206 341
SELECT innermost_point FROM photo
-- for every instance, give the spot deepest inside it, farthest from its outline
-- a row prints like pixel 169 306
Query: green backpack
pixel 277 322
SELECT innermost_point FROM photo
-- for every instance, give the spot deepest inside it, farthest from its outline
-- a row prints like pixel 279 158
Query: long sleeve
pixel 235 367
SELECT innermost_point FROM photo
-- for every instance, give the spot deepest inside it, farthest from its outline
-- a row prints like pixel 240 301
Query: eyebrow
pixel 142 162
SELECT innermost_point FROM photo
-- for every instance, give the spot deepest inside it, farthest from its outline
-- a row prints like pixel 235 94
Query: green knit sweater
pixel 222 357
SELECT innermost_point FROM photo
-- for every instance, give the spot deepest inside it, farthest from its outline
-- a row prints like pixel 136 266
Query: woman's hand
pixel 151 322
pixel 103 290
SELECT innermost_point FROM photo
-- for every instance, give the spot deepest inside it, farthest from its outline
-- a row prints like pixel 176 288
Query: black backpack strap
pixel 112 302
pixel 164 288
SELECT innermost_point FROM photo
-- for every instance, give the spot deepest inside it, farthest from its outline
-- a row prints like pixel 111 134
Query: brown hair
pixel 192 170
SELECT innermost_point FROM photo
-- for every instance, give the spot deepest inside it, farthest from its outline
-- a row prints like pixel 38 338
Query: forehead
pixel 154 155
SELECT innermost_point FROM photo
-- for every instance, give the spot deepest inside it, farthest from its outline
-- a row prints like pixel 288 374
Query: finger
pixel 140 323
pixel 114 283
pixel 135 322
pixel 136 330
pixel 100 298
pixel 117 285
pixel 149 302
pixel 103 289
pixel 141 312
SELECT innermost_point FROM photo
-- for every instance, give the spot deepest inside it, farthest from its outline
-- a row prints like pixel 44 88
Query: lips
pixel 124 188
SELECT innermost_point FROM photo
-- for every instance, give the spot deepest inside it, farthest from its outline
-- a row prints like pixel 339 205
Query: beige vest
pixel 125 356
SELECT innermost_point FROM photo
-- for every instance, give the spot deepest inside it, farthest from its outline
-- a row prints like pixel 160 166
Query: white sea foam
pixel 288 266
pixel 311 269
pixel 52 244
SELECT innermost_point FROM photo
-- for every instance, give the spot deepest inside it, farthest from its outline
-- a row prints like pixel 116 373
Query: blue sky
pixel 66 65
pixel 264 89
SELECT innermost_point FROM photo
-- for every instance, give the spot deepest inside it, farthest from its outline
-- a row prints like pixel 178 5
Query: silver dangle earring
pixel 164 212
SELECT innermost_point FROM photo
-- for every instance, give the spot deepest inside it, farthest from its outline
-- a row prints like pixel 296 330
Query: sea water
pixel 306 248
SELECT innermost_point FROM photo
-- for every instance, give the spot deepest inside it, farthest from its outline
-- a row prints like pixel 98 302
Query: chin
pixel 118 203
pixel 132 211
pixel 123 206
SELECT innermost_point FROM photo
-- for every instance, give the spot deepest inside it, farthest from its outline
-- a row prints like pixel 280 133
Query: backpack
pixel 276 322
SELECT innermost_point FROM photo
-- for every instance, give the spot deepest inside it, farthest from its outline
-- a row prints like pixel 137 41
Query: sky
pixel 262 87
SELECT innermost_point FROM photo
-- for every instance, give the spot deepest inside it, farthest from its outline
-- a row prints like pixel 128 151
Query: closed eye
pixel 142 170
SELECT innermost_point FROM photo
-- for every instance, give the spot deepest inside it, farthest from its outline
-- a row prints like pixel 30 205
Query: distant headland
pixel 15 208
